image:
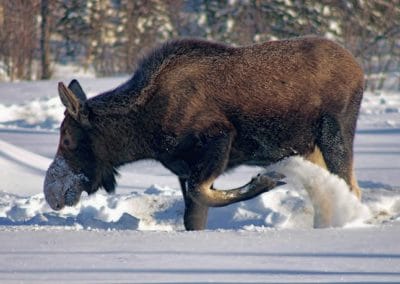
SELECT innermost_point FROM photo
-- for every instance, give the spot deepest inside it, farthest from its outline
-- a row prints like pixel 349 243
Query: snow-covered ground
pixel 137 234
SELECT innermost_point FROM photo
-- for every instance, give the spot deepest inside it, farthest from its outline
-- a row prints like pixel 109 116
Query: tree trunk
pixel 44 40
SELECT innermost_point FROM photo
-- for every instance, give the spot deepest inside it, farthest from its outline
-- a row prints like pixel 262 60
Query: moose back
pixel 202 108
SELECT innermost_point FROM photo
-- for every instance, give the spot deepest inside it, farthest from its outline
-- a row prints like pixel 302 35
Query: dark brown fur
pixel 201 108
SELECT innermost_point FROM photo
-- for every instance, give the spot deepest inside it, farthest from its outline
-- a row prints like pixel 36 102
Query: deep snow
pixel 270 238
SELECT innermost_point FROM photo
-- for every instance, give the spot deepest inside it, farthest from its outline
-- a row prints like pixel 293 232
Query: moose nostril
pixel 57 206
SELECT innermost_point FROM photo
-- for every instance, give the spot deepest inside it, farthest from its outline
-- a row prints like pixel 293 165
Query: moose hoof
pixel 267 181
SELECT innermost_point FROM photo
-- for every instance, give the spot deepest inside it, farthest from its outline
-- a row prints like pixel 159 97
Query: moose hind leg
pixel 354 185
pixel 336 144
pixel 195 216
pixel 317 158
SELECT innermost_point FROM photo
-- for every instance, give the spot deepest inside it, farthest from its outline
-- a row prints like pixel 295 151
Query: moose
pixel 201 108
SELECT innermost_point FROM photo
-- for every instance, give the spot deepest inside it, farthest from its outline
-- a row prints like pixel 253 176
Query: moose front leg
pixel 204 194
pixel 199 192
pixel 195 217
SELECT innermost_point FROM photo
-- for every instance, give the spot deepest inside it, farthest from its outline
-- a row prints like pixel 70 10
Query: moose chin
pixel 202 108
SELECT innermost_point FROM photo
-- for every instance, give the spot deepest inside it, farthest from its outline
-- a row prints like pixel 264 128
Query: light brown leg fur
pixel 317 158
pixel 354 185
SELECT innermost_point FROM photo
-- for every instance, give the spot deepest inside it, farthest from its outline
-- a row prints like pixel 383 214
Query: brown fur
pixel 201 108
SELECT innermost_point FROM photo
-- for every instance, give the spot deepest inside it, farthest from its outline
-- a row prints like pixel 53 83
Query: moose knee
pixel 202 195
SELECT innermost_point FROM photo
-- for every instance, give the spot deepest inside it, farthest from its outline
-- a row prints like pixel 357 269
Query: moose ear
pixel 76 88
pixel 73 98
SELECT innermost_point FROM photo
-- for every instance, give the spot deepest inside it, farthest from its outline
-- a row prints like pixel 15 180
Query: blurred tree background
pixel 110 35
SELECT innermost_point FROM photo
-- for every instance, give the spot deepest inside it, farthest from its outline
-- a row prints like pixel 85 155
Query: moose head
pixel 75 168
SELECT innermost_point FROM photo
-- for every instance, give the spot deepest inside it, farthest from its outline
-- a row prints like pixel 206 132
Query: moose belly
pixel 263 151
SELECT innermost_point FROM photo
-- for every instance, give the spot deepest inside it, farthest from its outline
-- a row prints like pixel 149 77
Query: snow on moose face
pixel 72 170
pixel 63 187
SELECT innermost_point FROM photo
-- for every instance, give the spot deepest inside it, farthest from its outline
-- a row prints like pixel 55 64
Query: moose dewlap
pixel 202 108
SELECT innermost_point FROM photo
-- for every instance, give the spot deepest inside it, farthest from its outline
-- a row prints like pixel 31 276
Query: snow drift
pixel 333 203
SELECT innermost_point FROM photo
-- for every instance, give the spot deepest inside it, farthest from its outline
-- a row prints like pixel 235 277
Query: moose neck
pixel 117 132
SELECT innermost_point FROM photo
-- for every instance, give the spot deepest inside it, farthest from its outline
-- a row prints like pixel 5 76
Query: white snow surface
pixel 310 230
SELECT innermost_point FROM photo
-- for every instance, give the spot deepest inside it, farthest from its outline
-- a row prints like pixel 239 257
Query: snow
pixel 270 256
pixel 62 185
pixel 310 230
pixel 333 203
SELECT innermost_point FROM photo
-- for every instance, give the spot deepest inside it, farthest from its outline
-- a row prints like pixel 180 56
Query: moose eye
pixel 66 142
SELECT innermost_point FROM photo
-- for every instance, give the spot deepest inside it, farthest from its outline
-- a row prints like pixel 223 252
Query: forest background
pixel 108 36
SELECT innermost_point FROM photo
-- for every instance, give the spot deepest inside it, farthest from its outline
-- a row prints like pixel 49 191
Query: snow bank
pixel 100 211
pixel 44 113
pixel 35 104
